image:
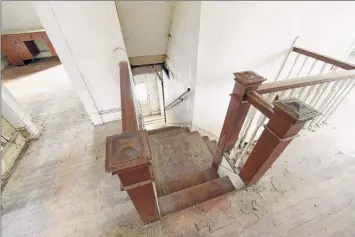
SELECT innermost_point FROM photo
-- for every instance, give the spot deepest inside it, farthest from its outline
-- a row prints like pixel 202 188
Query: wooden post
pixel 288 119
pixel 128 155
pixel 237 111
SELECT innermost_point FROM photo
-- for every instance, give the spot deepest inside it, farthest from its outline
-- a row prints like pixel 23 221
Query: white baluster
pixel 296 59
pixel 338 85
pixel 340 101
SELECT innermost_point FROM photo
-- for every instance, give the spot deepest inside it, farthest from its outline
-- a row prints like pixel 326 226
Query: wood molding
pixel 147 60
pixel 138 70
pixel 304 81
pixel 237 111
pixel 260 103
pixel 324 58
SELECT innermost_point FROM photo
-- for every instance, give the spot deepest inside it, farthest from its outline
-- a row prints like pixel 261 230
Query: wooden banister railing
pixel 295 83
pixel 283 107
pixel 324 58
pixel 129 111
pixel 128 154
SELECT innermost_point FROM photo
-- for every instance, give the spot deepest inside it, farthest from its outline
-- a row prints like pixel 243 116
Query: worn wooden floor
pixel 60 188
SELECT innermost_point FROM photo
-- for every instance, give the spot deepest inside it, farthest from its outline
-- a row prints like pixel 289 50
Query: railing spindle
pixel 333 93
pixel 342 89
pixel 339 102
pixel 296 59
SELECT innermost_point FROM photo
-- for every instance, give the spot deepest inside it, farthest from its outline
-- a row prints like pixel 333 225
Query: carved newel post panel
pixel 128 155
pixel 289 117
pixel 237 111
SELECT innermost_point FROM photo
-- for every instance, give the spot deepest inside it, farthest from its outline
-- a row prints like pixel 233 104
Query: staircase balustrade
pixel 129 156
pixel 251 138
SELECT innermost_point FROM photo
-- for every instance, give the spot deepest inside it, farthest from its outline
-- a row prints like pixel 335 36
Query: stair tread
pixel 168 130
pixel 186 181
pixel 194 195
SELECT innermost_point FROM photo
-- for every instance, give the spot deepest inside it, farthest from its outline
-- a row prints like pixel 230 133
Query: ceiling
pixel 145 26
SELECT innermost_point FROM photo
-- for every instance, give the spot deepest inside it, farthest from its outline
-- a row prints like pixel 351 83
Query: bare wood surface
pixel 324 58
pixel 304 81
pixel 260 103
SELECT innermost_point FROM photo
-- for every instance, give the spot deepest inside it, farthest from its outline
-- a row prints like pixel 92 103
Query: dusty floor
pixel 60 188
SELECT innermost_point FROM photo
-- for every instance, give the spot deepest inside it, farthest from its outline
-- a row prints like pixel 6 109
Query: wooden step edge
pixel 164 129
pixel 195 195
pixel 213 148
pixel 206 138
pixel 186 181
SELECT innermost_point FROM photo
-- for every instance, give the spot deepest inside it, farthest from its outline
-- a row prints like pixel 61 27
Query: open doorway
pixel 149 94
pixel 31 70
pixel 35 85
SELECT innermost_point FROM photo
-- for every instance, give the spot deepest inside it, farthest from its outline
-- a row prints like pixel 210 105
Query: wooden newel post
pixel 128 155
pixel 289 117
pixel 237 111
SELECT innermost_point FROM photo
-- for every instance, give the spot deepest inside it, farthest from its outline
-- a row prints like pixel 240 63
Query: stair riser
pixel 194 195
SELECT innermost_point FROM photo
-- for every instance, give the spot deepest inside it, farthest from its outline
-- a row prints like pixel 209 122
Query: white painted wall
pixel 145 26
pixel 238 36
pixel 88 40
pixel 182 60
pixel 18 15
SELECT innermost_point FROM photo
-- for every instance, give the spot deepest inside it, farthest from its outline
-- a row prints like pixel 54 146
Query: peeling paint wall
pixel 182 60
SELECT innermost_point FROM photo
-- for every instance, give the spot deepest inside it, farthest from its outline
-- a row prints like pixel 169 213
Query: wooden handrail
pixel 260 103
pixel 128 110
pixel 304 81
pixel 324 58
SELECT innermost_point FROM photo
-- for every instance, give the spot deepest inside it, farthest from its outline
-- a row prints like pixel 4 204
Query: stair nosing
pixel 199 185
pixel 218 177
pixel 205 183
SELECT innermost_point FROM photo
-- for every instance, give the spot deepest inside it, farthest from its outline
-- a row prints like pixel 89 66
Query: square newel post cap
pixel 249 79
pixel 127 151
pixel 294 110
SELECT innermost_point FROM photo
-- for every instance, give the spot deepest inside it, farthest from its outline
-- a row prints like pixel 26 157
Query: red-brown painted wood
pixel 194 195
pixel 144 201
pixel 288 119
pixel 129 155
pixel 260 103
pixel 237 111
pixel 187 181
pixel 324 58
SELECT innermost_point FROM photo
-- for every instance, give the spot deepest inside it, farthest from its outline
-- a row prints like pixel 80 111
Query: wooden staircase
pixel 182 164
pixel 170 169
pixel 163 170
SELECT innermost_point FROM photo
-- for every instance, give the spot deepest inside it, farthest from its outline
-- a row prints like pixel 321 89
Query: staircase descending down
pixel 182 167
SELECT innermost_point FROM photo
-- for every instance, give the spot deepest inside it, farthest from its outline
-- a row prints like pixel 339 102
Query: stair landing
pixel 177 152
